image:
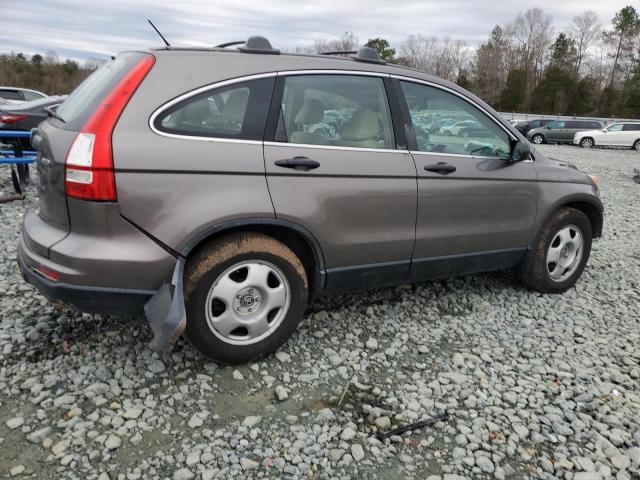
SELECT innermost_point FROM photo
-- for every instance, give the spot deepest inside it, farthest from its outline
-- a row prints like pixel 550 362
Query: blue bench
pixel 17 158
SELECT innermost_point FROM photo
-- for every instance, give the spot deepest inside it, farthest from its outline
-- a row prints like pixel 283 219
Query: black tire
pixel 636 145
pixel 533 271
pixel 587 142
pixel 537 139
pixel 446 133
pixel 218 256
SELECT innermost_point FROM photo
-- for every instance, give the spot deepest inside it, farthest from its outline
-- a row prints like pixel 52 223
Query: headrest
pixel 311 112
pixel 236 106
pixel 363 125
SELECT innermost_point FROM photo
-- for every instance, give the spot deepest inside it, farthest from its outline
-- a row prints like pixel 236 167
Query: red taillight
pixel 89 166
pixel 12 117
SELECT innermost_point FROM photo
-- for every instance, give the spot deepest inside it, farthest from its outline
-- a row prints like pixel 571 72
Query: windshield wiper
pixel 52 113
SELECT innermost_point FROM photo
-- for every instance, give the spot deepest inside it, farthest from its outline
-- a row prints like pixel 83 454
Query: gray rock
pixel 183 474
pixel 357 452
pixel 113 442
pixel 248 464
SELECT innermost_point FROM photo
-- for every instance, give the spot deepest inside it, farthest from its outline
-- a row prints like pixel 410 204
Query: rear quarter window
pixel 237 111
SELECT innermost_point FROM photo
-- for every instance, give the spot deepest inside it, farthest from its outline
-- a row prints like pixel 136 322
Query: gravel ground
pixel 537 386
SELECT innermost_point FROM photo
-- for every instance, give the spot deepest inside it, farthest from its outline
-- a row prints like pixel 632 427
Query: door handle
pixel 440 167
pixel 302 164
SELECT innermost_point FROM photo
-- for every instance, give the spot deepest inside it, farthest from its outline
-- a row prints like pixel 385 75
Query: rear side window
pixel 574 124
pixel 11 94
pixel 236 111
pixel 631 127
pixel 84 100
pixel 594 125
pixel 336 110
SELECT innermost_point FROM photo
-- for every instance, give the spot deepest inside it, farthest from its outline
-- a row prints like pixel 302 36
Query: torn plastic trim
pixel 165 311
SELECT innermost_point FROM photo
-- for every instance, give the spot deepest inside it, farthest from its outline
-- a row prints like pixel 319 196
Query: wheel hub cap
pixel 247 302
pixel 564 253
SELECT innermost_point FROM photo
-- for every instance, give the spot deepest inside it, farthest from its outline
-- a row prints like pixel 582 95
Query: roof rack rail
pixel 340 52
pixel 363 54
pixel 255 44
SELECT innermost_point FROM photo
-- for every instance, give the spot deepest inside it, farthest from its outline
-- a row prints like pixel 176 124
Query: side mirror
pixel 520 151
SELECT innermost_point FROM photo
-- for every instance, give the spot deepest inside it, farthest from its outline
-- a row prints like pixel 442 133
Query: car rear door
pixel 476 208
pixel 353 189
pixel 630 133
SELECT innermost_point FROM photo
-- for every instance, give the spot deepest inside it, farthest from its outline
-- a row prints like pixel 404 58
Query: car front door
pixel 555 131
pixel 476 208
pixel 352 187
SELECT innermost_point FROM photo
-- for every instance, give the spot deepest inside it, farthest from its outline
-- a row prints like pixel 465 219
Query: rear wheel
pixel 537 139
pixel 586 142
pixel 245 295
pixel 559 254
pixel 636 145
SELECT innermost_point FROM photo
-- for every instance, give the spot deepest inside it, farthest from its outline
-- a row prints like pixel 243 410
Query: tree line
pixel 46 73
pixel 585 69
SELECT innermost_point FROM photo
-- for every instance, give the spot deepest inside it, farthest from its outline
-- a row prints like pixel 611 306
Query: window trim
pixel 411 139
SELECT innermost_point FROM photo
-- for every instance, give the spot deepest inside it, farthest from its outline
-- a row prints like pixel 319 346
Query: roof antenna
pixel 158 32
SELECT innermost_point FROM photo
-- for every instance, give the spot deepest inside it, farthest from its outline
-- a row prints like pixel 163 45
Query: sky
pixel 83 29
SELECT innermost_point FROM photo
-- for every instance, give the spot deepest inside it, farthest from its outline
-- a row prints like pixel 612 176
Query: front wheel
pixel 559 254
pixel 586 142
pixel 537 139
pixel 245 295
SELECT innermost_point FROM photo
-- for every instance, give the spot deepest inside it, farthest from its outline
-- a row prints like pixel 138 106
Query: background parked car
pixel 16 95
pixel 618 134
pixel 562 131
pixel 457 127
pixel 438 124
pixel 27 115
pixel 524 127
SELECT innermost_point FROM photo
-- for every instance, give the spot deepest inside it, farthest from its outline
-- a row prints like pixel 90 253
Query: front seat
pixel 360 130
pixel 311 112
pixel 234 110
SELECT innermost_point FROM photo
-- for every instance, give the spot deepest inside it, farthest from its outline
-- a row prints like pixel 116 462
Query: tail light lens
pixel 12 118
pixel 89 171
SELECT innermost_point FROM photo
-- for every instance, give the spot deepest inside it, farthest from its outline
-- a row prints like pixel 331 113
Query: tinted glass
pixel 594 125
pixel 474 133
pixel 556 125
pixel 534 124
pixel 11 94
pixel 631 127
pixel 338 110
pixel 574 124
pixel 235 111
pixel 82 102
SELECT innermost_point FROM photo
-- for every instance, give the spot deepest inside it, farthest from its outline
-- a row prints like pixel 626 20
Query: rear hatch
pixel 53 139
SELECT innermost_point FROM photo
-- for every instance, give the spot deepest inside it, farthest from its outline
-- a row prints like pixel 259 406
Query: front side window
pixel 555 125
pixel 335 110
pixel 237 111
pixel 471 133
pixel 616 127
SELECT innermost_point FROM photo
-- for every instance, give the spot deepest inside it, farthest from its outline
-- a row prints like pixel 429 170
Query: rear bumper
pixel 87 299
pixel 103 264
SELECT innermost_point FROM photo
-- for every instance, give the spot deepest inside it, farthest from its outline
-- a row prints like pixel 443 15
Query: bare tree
pixel 585 30
pixel 348 41
pixel 531 32
pixel 445 58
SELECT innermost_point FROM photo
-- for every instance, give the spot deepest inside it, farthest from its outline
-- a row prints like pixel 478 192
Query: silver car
pixel 191 183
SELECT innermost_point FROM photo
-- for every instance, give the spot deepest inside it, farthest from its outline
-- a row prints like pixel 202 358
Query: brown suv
pixel 221 189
